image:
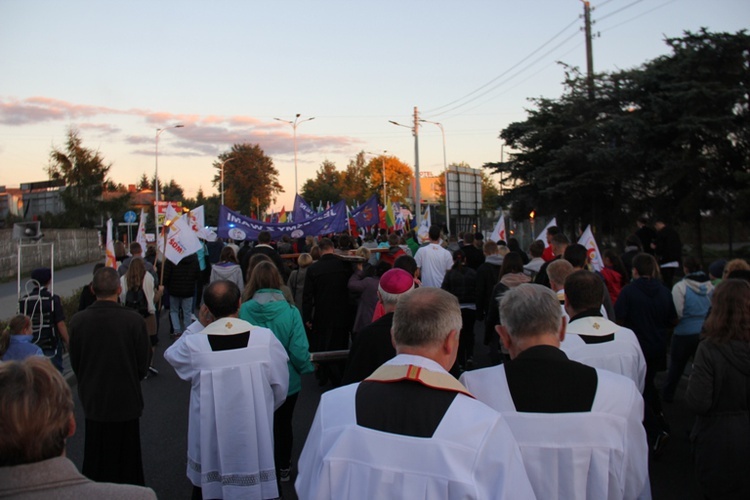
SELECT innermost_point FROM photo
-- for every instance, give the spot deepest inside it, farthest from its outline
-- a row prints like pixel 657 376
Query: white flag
pixel 424 227
pixel 140 237
pixel 170 213
pixel 592 250
pixel 499 232
pixel 543 235
pixel 109 248
pixel 181 241
pixel 198 224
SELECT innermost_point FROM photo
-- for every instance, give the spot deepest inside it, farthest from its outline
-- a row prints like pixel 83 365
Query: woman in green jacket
pixel 269 308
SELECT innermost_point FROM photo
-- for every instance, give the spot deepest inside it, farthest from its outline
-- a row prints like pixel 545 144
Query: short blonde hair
pixel 304 260
pixel 559 270
pixel 36 405
pixel 735 265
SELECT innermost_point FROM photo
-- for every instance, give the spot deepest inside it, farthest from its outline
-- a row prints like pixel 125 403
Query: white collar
pixel 227 326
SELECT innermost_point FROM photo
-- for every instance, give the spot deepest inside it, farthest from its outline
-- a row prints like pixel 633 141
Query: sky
pixel 118 70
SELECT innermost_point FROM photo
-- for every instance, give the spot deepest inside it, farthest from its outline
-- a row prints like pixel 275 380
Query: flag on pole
pixel 282 215
pixel 140 237
pixel 109 252
pixel 424 227
pixel 592 250
pixel 181 241
pixel 390 220
pixel 499 232
pixel 543 235
pixel 170 214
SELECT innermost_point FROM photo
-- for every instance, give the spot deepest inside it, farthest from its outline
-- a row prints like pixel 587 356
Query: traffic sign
pixel 129 216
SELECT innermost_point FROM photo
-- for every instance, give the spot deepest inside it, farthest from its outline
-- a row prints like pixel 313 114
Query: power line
pixel 638 16
pixel 528 66
pixel 506 71
pixel 619 10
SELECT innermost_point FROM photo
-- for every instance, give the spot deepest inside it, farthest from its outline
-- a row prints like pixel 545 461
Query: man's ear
pixel 450 343
pixel 71 425
pixel 393 339
pixel 563 328
pixel 504 336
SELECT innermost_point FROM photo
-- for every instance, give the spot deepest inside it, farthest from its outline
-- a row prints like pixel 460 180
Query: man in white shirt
pixel 411 430
pixel 239 375
pixel 433 260
pixel 579 428
pixel 592 339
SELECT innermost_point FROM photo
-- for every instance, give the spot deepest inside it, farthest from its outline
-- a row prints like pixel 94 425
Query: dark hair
pixel 459 259
pixel 254 261
pixel 345 242
pixel 584 290
pixel 560 239
pixel 634 241
pixel 645 265
pixel 468 239
pixel 135 248
pixel 553 230
pixel 576 254
pixel 222 298
pixel 325 244
pixel 691 264
pixel 264 275
pixel 536 249
pixel 106 282
pixel 729 318
pixel 617 265
pixel 434 232
pixel 264 237
pixel 512 263
pixel 513 245
pixel 97 266
pixel 407 263
pixel 228 255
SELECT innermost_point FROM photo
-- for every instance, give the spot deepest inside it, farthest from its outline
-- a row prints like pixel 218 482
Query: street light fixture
pixel 156 173
pixel 445 169
pixel 222 176
pixel 294 125
pixel 417 187
pixel 385 196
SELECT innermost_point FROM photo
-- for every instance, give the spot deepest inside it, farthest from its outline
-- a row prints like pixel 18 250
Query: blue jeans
pixel 180 308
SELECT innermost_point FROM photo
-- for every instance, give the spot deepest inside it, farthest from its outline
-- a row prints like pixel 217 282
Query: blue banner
pixel 239 227
pixel 302 210
pixel 367 214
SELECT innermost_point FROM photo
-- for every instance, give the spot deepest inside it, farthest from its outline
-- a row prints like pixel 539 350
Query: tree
pixel 144 183
pixel 171 191
pixel 85 175
pixel 250 179
pixel 325 187
pixel 490 192
pixel 355 181
pixel 398 175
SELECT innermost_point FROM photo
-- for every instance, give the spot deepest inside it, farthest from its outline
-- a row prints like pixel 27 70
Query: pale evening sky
pixel 117 70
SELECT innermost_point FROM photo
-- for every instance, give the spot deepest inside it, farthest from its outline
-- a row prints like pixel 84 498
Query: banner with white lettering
pixel 239 227
pixel 181 241
pixel 302 210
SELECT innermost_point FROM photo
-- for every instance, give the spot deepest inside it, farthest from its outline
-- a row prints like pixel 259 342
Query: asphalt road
pixel 164 421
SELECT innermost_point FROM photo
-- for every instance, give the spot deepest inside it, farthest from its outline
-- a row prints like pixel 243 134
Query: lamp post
pixel 385 196
pixel 156 174
pixel 222 177
pixel 445 169
pixel 294 125
pixel 417 187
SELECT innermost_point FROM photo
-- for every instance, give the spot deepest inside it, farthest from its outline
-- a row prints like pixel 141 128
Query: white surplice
pixel 622 355
pixel 472 454
pixel 597 455
pixel 233 397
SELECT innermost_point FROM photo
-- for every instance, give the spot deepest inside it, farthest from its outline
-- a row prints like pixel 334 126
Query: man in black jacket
pixel 180 281
pixel 110 353
pixel 325 306
pixel 264 247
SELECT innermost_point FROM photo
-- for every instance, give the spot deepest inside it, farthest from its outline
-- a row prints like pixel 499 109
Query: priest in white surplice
pixel 579 428
pixel 239 377
pixel 411 430
pixel 594 340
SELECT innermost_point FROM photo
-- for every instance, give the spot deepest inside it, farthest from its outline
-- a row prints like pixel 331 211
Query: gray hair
pixel 529 310
pixel 388 298
pixel 425 317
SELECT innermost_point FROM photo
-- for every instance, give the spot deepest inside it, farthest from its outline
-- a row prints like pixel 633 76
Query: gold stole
pixel 435 380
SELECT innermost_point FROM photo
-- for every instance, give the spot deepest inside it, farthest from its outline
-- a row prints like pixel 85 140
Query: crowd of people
pixel 567 406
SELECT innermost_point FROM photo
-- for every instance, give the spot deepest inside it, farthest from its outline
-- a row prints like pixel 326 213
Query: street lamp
pixel 222 176
pixel 445 168
pixel 294 125
pixel 385 196
pixel 417 187
pixel 156 174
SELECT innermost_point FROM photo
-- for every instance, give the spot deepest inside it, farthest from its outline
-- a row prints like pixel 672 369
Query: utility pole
pixel 589 50
pixel 417 187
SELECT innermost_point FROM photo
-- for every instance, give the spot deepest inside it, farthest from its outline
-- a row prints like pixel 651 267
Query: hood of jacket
pixel 737 353
pixel 225 271
pixel 267 304
pixel 699 283
pixel 649 286
pixel 495 259
pixel 514 279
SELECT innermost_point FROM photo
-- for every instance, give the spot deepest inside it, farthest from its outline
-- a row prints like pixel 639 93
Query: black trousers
pixel 112 452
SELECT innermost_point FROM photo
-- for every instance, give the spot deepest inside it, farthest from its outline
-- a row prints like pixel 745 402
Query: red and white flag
pixel 543 235
pixel 592 250
pixel 181 241
pixel 499 232
pixel 140 237
pixel 109 248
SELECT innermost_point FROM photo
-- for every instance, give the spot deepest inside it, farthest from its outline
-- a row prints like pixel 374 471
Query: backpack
pixel 136 299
